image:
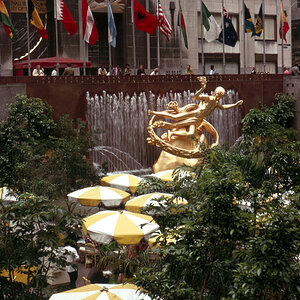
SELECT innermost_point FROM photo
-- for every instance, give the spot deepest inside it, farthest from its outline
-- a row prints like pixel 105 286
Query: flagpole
pixel 28 41
pixel 244 40
pixel 202 48
pixel 180 38
pixel 84 63
pixel 133 35
pixel 263 29
pixel 56 36
pixel 223 34
pixel 158 50
pixel 282 56
pixel 158 44
pixel 109 57
pixel 148 42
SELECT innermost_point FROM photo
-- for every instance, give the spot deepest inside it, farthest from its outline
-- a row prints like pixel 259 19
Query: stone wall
pixel 67 94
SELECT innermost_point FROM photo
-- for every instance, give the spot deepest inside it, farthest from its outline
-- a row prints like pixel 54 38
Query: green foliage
pixel 265 121
pixel 40 156
pixel 152 184
pixel 269 261
pixel 283 110
pixel 267 133
pixel 208 230
pixel 224 248
pixel 30 234
pixel 66 168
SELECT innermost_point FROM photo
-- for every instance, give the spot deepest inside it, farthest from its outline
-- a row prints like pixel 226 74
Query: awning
pixel 50 62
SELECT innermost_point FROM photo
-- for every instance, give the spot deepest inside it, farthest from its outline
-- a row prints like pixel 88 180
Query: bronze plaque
pixel 19 6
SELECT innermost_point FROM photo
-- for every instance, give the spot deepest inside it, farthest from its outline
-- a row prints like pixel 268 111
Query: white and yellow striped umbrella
pixel 125 182
pixel 136 204
pixel 166 175
pixel 102 292
pixel 7 195
pixel 92 196
pixel 126 228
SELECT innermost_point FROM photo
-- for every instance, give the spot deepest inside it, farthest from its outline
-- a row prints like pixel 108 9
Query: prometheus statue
pixel 185 137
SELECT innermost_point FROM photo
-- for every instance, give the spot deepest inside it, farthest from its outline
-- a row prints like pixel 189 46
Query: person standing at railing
pixel 126 71
pixel 38 71
pixel 141 70
pixel 189 70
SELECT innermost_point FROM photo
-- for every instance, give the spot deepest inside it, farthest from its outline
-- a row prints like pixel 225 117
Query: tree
pixel 238 237
pixel 41 156
pixel 30 236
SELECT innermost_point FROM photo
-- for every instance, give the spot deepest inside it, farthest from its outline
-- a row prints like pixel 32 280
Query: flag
pixel 181 23
pixel 143 20
pixel 230 35
pixel 249 26
pixel 5 20
pixel 163 23
pixel 286 27
pixel 36 21
pixel 112 31
pixel 259 26
pixel 63 15
pixel 211 26
pixel 90 33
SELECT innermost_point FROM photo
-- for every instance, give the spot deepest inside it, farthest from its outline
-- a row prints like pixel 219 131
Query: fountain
pixel 119 122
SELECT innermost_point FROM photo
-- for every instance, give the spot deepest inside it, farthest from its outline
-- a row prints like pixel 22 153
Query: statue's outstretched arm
pixel 228 106
pixel 203 87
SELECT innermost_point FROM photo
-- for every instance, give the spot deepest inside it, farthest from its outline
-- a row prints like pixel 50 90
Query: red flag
pixel 65 17
pixel 90 33
pixel 36 21
pixel 286 27
pixel 143 20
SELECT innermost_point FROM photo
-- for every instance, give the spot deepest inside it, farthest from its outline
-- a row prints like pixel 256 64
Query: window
pixel 271 63
pixel 269 28
pixel 298 3
pixel 234 19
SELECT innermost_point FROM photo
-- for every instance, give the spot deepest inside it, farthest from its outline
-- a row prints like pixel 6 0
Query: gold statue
pixel 184 140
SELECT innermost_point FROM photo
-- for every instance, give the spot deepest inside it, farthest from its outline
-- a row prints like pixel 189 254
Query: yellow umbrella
pixel 20 275
pixel 102 292
pixel 124 227
pixel 155 240
pixel 92 196
pixel 7 195
pixel 125 182
pixel 136 204
pixel 166 175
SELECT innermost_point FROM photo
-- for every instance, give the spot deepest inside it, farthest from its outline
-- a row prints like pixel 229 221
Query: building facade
pixel 295 8
pixel 172 56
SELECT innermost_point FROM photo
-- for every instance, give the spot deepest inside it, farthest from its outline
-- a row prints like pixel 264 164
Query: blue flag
pixel 259 26
pixel 230 35
pixel 112 31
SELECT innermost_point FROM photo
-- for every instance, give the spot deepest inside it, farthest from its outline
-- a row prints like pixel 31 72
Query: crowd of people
pixel 118 71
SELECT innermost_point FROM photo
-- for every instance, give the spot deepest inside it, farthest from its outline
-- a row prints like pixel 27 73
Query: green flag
pixel 181 23
pixel 210 24
pixel 5 20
